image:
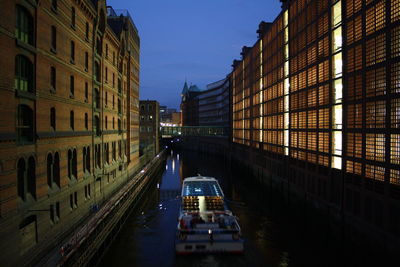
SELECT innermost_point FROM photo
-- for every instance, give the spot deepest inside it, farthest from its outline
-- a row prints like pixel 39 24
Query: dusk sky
pixel 192 39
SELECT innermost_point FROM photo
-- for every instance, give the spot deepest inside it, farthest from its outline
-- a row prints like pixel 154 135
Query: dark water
pixel 275 235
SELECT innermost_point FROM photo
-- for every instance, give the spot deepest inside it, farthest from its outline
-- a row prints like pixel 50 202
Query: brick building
pixel 149 133
pixel 316 107
pixel 69 131
pixel 190 105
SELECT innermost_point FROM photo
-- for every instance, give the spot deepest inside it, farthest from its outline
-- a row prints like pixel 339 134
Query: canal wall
pixel 318 195
pixel 87 244
pixel 317 204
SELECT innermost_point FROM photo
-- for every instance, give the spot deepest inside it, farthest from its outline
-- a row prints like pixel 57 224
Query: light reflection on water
pixel 271 239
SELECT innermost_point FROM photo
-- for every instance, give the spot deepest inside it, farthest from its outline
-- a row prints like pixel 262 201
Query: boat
pixel 205 224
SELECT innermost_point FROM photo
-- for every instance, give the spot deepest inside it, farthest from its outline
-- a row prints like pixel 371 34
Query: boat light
pixel 209 231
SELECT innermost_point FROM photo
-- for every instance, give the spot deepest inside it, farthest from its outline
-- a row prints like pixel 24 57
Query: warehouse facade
pixel 316 105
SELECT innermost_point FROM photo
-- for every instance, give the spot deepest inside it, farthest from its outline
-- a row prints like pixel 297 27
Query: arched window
pixel 88 159
pixel 24 25
pixel 96 98
pixel 53 118
pixel 54 5
pixel 97 125
pixel 71 119
pixel 50 170
pixel 69 163
pixel 72 58
pixel 75 164
pixel 84 159
pixel 73 15
pixel 86 121
pixel 53 38
pixel 87 31
pixel 32 177
pixel 23 74
pixel 71 86
pixel 21 174
pixel 25 124
pixel 97 71
pixel 56 169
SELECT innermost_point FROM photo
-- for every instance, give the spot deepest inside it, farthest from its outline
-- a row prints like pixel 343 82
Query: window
pixel 113 123
pixel 86 121
pixel 97 155
pixel 73 17
pixel 142 107
pixel 56 169
pixel 71 120
pixel 119 126
pixel 24 26
pixel 71 86
pixel 25 129
pixel 53 170
pixel 113 58
pixel 96 98
pixel 53 39
pixel 88 159
pixel 106 153
pixel 54 5
pixel 23 74
pixel 119 86
pixel 53 118
pixel 150 108
pixel 76 199
pixel 119 106
pixel 106 99
pixel 72 164
pixel 26 178
pixel 113 102
pixel 106 51
pixel 106 75
pixel 96 127
pixel 87 31
pixel 86 92
pixel 119 149
pixel 97 71
pixel 106 122
pixel 113 80
pixel 53 78
pixel 114 152
pixel 86 61
pixel 72 59
pixel 98 46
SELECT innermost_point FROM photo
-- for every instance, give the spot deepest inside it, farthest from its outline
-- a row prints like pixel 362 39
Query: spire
pixel 185 88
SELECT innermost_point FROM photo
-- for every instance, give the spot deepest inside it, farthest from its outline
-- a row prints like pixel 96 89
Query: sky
pixel 196 40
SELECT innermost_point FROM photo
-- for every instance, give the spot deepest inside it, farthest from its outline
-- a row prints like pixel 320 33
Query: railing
pixel 172 131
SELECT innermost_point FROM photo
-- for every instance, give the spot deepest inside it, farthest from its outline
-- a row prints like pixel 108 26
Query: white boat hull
pixel 223 246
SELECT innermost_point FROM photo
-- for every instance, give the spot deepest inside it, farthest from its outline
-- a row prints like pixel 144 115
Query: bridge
pixel 175 131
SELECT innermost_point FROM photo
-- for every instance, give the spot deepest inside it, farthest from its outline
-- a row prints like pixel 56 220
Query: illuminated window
pixel 395 148
pixel 395 42
pixel 395 10
pixel 337 65
pixel 337 39
pixel 337 14
pixel 375 147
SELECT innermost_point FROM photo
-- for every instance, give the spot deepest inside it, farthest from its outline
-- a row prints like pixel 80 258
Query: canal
pixel 275 234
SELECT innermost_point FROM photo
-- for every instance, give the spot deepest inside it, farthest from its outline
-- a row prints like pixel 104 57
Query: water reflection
pixel 272 236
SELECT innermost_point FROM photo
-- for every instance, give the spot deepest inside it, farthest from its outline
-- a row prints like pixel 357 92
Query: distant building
pixel 190 105
pixel 149 132
pixel 166 114
pixel 214 104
